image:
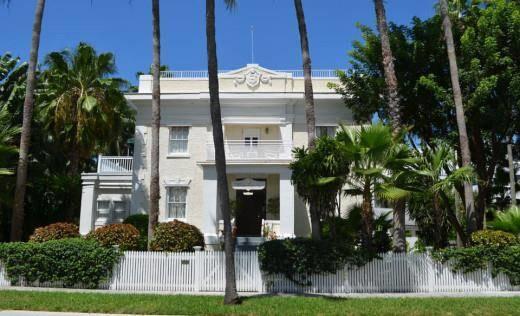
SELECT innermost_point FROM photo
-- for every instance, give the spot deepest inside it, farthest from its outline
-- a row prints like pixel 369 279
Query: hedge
pixel 70 261
pixel 299 258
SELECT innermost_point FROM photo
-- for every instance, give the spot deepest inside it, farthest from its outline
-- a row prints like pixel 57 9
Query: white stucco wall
pixel 275 106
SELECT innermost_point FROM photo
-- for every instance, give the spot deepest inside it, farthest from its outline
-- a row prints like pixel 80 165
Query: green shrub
pixel 54 232
pixel 125 236
pixel 176 236
pixel 503 259
pixel 299 258
pixel 140 221
pixel 493 238
pixel 508 221
pixel 71 261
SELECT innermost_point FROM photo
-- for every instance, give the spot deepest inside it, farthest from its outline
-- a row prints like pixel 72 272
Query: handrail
pixel 203 74
pixel 115 164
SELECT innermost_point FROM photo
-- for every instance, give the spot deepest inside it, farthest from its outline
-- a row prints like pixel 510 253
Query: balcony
pixel 203 74
pixel 261 150
pixel 114 164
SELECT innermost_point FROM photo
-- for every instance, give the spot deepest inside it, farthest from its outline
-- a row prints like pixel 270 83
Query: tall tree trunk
pixel 512 180
pixel 309 102
pixel 231 294
pixel 399 222
pixel 399 237
pixel 153 217
pixel 471 221
pixel 21 173
pixel 367 217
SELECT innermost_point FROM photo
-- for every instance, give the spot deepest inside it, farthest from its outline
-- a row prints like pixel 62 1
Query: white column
pixel 286 204
pixel 210 223
pixel 88 204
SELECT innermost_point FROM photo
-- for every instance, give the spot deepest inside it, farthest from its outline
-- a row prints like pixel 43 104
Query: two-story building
pixel 263 119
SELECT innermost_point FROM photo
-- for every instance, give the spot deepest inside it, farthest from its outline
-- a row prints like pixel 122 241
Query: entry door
pixel 249 213
pixel 251 136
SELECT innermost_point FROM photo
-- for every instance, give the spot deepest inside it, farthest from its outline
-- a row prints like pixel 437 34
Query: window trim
pixel 167 211
pixel 326 126
pixel 185 154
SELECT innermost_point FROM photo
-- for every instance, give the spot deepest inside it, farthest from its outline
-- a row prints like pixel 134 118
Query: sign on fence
pixel 203 271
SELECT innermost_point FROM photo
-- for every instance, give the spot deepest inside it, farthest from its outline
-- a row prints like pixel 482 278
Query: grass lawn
pixel 259 305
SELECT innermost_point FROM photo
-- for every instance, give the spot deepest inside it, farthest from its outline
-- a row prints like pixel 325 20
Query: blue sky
pixel 124 28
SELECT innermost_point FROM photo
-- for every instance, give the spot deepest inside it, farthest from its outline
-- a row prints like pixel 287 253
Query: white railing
pixel 202 74
pixel 238 150
pixel 203 271
pixel 114 164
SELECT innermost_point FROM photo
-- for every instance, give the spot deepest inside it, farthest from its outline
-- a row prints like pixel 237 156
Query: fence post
pixel 431 272
pixel 198 267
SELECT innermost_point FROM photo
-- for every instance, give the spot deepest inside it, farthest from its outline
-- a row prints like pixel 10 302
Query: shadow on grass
pixel 327 297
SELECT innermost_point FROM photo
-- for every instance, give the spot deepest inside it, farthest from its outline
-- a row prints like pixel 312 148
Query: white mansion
pixel 263 117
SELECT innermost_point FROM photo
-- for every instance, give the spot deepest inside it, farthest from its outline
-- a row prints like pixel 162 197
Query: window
pixel 179 139
pixel 325 131
pixel 120 210
pixel 103 208
pixel 176 202
pixel 251 136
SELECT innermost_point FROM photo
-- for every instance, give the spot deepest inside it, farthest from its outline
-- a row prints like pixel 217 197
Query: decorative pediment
pixel 248 184
pixel 252 75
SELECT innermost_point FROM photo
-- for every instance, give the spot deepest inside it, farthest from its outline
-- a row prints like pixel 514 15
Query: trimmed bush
pixel 125 236
pixel 494 238
pixel 140 221
pixel 73 261
pixel 176 236
pixel 54 232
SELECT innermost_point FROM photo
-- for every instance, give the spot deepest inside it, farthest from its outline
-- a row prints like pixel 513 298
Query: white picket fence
pixel 204 271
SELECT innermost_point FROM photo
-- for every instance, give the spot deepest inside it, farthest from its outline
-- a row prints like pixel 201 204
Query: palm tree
pixel 231 294
pixel 307 74
pixel 437 177
pixel 319 175
pixel 471 221
pixel 378 166
pixel 394 114
pixel 308 91
pixel 81 104
pixel 21 173
pixel 156 122
pixel 7 134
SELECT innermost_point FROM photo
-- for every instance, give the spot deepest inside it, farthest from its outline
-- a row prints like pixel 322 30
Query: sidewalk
pixel 30 313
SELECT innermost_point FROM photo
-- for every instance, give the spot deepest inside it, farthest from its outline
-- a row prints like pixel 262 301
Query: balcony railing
pixel 203 74
pixel 238 150
pixel 114 164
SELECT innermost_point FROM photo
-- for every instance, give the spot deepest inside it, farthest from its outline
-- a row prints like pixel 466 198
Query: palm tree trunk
pixel 309 99
pixel 368 217
pixel 306 56
pixel 231 294
pixel 471 222
pixel 399 237
pixel 153 217
pixel 21 174
pixel 399 222
pixel 512 180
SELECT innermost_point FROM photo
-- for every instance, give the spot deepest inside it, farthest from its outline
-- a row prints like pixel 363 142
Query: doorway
pixel 250 212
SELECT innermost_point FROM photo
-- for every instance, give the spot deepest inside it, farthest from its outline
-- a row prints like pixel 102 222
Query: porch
pixel 262 203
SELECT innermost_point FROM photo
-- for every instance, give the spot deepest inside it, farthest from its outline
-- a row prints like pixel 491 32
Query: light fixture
pixel 248 193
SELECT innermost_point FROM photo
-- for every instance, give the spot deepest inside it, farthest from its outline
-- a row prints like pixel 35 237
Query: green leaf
pixel 89 103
